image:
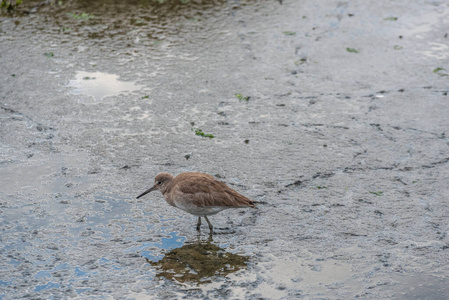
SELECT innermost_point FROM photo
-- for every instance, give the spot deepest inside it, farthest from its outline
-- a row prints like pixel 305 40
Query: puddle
pixel 99 85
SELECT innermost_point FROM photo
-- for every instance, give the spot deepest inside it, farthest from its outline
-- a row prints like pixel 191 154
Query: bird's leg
pixel 210 225
pixel 210 239
pixel 198 225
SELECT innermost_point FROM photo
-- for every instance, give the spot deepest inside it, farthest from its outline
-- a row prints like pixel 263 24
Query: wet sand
pixel 334 115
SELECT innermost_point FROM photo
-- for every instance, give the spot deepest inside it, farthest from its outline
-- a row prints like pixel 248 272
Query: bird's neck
pixel 166 193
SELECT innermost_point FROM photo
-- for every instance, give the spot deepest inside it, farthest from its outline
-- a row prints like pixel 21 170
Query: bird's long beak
pixel 147 191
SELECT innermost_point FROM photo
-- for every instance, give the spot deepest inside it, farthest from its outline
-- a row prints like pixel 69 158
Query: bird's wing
pixel 204 191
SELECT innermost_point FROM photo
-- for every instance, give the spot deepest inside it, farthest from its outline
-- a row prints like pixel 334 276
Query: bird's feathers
pixel 203 190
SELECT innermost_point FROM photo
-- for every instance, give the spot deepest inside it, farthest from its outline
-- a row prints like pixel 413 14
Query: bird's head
pixel 161 183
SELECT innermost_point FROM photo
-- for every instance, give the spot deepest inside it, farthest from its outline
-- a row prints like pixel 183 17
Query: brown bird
pixel 198 194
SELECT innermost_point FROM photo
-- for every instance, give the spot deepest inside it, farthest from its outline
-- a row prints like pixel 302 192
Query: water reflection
pixel 99 85
pixel 197 262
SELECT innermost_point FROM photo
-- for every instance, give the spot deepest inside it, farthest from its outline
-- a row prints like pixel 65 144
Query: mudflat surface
pixel 334 115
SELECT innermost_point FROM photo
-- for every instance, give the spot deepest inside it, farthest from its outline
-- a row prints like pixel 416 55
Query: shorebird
pixel 199 194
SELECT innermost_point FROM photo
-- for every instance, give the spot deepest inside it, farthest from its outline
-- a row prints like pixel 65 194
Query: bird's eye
pixel 159 182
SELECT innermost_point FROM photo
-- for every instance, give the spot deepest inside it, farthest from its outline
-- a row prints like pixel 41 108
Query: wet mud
pixel 333 115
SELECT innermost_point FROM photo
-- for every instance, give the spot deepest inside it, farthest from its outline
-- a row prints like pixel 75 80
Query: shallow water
pixel 99 85
pixel 346 150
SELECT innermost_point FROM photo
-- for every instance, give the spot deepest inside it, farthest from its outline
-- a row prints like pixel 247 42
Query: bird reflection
pixel 198 261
